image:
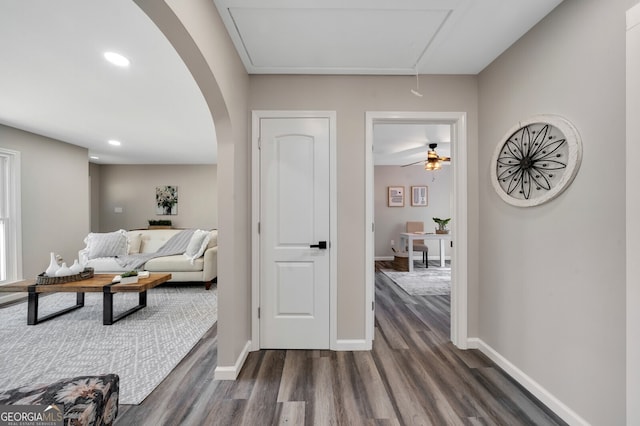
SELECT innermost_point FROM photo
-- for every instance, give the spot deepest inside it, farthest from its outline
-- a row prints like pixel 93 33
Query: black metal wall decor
pixel 536 160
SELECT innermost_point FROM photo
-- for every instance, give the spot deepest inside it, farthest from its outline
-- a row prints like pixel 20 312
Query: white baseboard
pixel 231 373
pixel 352 345
pixel 415 257
pixel 548 399
pixel 11 297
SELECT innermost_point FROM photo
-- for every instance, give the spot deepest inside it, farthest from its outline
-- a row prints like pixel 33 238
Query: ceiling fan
pixel 433 159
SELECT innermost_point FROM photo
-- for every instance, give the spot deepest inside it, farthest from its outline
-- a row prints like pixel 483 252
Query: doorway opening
pixel 458 127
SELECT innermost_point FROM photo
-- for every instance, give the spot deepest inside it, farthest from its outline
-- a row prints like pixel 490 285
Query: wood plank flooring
pixel 413 376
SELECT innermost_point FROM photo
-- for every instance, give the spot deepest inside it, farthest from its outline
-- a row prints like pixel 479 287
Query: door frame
pixel 459 274
pixel 256 116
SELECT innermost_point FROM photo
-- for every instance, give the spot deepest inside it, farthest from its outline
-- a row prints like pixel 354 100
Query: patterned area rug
pixel 430 281
pixel 142 348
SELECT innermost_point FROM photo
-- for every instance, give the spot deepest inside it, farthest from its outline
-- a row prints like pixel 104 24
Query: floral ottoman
pixel 87 400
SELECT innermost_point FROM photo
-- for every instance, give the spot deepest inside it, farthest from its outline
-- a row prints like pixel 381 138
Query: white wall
pixel 633 212
pixel 552 277
pixel 55 197
pixel 196 32
pixel 133 188
pixel 391 221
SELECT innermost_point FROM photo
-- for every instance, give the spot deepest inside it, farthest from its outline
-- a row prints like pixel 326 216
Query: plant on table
pixel 442 225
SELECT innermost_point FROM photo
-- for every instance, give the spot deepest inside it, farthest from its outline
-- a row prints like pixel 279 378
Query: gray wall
pixel 550 301
pixel 351 97
pixel 133 188
pixel 633 212
pixel 55 197
pixel 94 194
pixel 391 221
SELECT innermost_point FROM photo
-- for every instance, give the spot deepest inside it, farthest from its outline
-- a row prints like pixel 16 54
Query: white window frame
pixel 10 220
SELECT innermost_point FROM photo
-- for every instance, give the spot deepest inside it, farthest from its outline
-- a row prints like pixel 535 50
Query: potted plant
pixel 442 225
pixel 159 224
pixel 130 277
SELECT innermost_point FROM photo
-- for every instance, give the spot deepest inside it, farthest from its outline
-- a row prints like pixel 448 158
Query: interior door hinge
pixel 259 143
pixel 258 312
pixel 451 242
pixel 373 227
pixel 258 227
pixel 373 306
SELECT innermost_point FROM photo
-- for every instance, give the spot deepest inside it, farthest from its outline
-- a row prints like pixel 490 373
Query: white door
pixel 294 210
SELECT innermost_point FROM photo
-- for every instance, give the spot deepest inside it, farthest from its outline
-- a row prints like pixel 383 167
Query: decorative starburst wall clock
pixel 536 160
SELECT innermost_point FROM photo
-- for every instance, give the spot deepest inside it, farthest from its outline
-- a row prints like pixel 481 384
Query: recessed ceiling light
pixel 94 157
pixel 116 59
pixel 114 142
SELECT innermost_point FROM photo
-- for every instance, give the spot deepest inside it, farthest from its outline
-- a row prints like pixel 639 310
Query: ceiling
pixel 400 144
pixel 55 82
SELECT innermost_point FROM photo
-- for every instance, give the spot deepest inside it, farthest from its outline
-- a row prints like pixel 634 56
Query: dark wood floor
pixel 413 376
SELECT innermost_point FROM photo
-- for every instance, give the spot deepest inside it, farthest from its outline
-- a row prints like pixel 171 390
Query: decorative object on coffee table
pixel 130 277
pixel 167 200
pixel 44 279
pixel 53 266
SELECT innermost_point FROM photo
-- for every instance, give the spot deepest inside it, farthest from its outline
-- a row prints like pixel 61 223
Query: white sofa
pixel 182 269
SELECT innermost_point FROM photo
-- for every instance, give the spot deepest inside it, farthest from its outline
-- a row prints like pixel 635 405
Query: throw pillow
pixel 197 245
pixel 108 244
pixel 135 241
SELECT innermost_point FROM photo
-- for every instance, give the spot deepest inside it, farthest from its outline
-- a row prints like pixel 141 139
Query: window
pixel 10 251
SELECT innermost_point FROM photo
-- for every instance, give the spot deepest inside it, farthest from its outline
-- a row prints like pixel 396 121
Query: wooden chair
pixel 419 245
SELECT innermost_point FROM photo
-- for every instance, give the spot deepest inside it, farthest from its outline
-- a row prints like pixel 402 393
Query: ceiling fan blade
pixel 414 163
pixel 444 158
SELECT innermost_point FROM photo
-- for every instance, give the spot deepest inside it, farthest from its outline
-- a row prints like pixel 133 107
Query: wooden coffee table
pixel 98 283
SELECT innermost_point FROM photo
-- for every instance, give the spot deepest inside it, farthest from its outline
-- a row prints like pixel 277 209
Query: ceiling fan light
pixel 432 165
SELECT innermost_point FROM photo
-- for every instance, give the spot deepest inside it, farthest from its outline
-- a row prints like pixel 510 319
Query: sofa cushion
pixel 197 244
pixel 153 240
pixel 135 241
pixel 107 244
pixel 174 263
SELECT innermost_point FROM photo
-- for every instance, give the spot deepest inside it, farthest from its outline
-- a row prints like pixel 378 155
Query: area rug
pixel 142 348
pixel 422 281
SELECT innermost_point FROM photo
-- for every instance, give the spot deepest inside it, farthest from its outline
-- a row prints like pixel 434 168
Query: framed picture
pixel 395 196
pixel 167 200
pixel 419 196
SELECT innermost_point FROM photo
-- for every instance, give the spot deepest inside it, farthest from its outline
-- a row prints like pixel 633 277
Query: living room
pixel 535 296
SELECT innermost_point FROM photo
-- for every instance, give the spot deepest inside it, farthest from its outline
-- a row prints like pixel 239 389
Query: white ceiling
pixel 400 144
pixel 376 36
pixel 55 82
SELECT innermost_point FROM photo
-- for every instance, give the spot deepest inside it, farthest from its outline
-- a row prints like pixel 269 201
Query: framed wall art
pixel 419 196
pixel 166 200
pixel 536 160
pixel 395 196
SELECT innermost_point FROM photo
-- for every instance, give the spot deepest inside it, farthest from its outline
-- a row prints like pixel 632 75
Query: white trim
pixel 633 16
pixel 231 373
pixel 11 297
pixel 546 397
pixel 415 257
pixel 352 345
pixel 255 218
pixel 15 214
pixel 459 276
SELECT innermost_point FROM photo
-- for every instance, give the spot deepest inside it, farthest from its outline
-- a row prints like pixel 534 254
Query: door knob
pixel 322 245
